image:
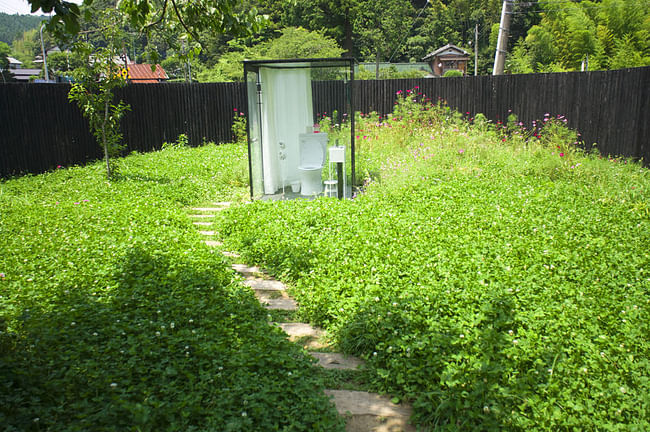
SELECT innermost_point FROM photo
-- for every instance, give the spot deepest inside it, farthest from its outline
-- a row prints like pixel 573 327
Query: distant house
pixel 19 74
pixel 14 63
pixel 449 57
pixel 142 74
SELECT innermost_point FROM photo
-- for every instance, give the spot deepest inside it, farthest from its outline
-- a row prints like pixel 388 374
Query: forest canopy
pixel 211 37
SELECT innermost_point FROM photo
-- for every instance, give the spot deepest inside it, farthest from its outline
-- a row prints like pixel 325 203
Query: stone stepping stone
pixel 279 303
pixel 265 284
pixel 222 203
pixel 246 270
pixel 208 208
pixel 230 254
pixel 202 216
pixel 307 335
pixel 213 243
pixel 207 233
pixel 369 411
pixel 203 223
pixel 336 361
pixel 373 423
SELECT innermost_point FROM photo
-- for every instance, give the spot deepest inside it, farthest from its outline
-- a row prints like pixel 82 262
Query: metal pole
pixel 502 42
pixel 476 50
pixel 47 76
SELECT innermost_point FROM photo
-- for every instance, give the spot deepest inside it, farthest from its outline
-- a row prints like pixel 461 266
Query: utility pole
pixel 47 76
pixel 502 42
pixel 476 50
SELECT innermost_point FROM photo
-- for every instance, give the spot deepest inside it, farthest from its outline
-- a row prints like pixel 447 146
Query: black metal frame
pixel 312 63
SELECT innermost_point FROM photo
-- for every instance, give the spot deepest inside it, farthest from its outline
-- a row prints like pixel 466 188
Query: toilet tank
pixel 312 149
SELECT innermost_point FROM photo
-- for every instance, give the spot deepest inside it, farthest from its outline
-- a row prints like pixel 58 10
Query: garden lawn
pixel 494 276
pixel 114 316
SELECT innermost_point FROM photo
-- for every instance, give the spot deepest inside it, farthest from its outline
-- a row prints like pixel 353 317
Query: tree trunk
pixel 348 44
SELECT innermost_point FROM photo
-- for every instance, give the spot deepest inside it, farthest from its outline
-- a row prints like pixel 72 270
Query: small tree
pixel 97 78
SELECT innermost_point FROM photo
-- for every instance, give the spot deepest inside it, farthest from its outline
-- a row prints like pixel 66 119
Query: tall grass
pixel 495 276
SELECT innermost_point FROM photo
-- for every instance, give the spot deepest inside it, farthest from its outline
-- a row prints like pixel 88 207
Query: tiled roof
pixel 142 74
pixel 447 50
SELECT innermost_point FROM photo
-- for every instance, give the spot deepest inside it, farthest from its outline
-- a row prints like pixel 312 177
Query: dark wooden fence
pixel 40 129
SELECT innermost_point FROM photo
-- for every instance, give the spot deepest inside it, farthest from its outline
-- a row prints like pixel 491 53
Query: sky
pixel 21 7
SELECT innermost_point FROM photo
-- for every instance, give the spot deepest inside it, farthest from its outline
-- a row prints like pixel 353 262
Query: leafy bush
pixel 490 279
pixel 114 316
pixel 453 73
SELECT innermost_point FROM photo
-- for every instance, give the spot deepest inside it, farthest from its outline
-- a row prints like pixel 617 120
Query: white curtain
pixel 286 112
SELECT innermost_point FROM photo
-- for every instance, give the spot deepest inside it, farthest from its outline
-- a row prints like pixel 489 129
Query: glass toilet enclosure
pixel 287 151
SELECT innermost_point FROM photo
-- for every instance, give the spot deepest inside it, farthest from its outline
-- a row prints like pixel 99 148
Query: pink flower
pixel 2 275
pixel 234 109
pixel 461 151
pixel 561 154
pixel 59 166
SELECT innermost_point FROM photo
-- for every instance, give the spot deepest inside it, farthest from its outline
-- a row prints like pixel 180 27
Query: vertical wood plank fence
pixel 40 129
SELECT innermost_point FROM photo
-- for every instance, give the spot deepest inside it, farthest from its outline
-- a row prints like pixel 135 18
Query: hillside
pixel 13 26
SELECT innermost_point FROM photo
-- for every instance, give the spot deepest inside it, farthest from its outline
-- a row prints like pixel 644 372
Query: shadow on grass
pixel 458 377
pixel 159 346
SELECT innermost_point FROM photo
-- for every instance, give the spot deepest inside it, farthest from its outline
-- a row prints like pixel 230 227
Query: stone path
pixel 363 411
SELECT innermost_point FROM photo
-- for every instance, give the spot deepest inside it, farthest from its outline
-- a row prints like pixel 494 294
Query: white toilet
pixel 312 159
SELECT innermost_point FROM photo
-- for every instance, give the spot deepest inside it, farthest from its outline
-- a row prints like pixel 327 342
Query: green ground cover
pixel 115 317
pixel 494 276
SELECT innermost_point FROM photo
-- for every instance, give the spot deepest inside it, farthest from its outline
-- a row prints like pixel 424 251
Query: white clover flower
pixel 486 409
pixel 157 333
pixel 623 390
pixel 550 371
pixel 191 321
pixel 510 332
pixel 374 354
pixel 515 341
pixel 73 323
pixel 461 336
pixel 113 385
pixel 172 325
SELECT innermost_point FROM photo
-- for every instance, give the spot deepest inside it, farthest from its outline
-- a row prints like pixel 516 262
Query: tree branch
pixel 180 18
pixel 162 16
